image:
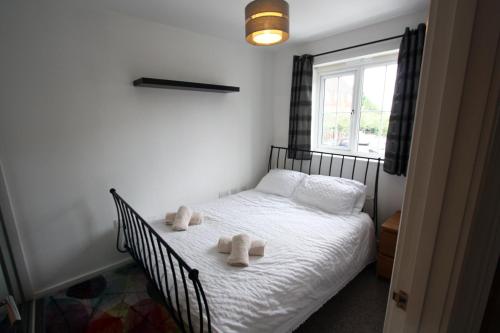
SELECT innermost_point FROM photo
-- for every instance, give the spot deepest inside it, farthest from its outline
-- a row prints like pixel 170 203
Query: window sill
pixel 323 149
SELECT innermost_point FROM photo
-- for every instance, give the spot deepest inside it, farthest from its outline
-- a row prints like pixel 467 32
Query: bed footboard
pixel 165 269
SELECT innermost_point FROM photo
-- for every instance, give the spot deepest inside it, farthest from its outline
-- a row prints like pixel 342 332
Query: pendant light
pixel 266 22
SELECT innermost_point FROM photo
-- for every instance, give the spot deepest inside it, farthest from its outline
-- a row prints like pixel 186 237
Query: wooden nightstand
pixel 387 245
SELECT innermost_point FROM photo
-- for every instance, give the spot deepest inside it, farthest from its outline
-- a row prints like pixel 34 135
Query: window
pixel 351 104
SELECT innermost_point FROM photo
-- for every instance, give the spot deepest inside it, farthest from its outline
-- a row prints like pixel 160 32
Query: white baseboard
pixel 80 278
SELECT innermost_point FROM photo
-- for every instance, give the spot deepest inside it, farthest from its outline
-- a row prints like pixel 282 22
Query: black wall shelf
pixel 183 85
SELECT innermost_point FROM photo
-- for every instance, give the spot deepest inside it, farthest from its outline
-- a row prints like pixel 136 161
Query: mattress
pixel 310 255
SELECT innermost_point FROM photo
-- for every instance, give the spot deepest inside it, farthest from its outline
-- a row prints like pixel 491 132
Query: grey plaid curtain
pixel 299 130
pixel 397 147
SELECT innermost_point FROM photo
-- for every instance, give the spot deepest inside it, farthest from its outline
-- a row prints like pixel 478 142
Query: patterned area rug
pixel 123 301
pixel 119 301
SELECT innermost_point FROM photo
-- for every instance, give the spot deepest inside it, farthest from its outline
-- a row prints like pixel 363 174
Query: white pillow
pixel 332 194
pixel 280 182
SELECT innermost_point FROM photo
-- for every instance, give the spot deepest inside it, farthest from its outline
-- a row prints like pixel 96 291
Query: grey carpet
pixel 359 307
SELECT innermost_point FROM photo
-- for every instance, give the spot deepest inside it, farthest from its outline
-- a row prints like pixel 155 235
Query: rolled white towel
pixel 196 218
pixel 224 245
pixel 239 251
pixel 257 246
pixel 169 218
pixel 182 218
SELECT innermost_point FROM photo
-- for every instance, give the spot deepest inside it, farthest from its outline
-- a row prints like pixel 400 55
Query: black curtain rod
pixel 359 45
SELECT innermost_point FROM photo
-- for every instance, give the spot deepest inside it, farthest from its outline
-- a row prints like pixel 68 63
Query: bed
pixel 310 254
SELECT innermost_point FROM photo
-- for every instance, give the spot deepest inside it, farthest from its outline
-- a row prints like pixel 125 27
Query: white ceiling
pixel 309 19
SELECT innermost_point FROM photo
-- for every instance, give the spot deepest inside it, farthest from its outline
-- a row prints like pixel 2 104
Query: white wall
pixel 72 126
pixel 391 187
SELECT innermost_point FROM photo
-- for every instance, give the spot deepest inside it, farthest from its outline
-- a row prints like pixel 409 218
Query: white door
pixel 451 152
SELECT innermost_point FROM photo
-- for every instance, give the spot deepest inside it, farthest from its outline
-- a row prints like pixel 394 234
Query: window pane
pixel 346 85
pixel 331 93
pixel 376 103
pixel 337 107
pixel 373 132
pixel 343 129
pixel 373 88
pixel 390 81
pixel 329 128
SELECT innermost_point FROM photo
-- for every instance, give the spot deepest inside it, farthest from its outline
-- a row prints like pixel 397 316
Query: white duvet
pixel 310 255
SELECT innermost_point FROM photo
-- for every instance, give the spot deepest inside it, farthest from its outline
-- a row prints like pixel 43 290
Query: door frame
pixel 451 158
pixel 17 272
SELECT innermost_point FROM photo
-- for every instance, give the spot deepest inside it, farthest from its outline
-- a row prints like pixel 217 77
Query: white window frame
pixel 354 65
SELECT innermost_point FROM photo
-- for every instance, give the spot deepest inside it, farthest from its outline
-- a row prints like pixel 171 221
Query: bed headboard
pixel 362 169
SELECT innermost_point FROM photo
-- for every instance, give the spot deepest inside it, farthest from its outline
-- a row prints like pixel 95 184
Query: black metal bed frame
pixel 146 246
pixel 321 158
pixel 138 234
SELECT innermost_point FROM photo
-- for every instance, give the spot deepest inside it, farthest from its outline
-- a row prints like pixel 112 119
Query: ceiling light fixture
pixel 267 22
